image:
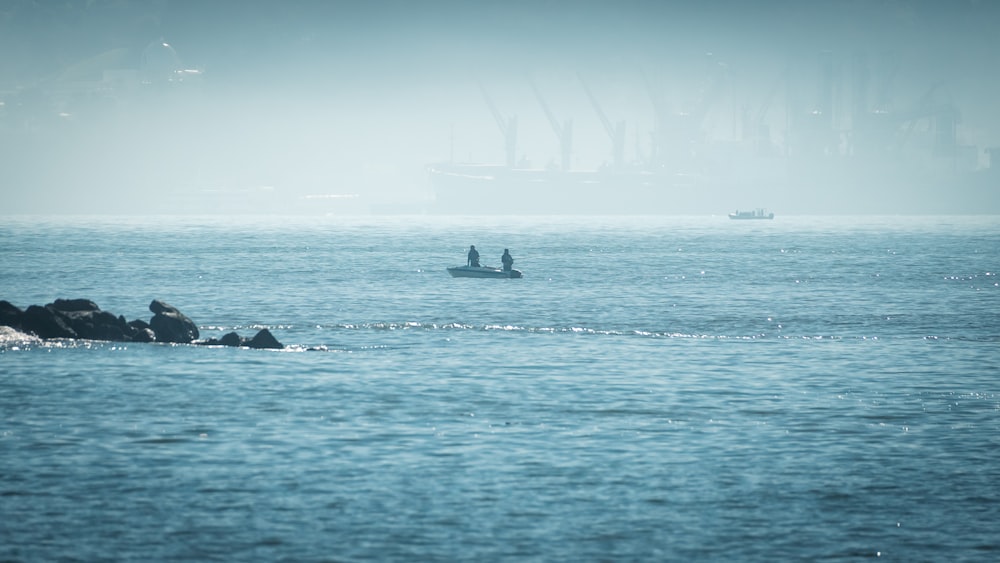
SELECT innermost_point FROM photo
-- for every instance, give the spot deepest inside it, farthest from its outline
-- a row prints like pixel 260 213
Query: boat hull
pixel 482 272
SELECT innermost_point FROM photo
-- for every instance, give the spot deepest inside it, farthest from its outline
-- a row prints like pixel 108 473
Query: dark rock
pixel 108 327
pixel 66 305
pixel 95 325
pixel 232 339
pixel 158 307
pixel 10 315
pixel 143 335
pixel 170 325
pixel 229 339
pixel 45 322
pixel 136 331
pixel 264 339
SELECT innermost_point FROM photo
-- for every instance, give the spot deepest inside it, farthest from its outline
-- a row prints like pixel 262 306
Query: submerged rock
pixel 231 339
pixel 262 340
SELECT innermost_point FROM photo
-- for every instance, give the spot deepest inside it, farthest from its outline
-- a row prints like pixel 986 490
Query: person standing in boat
pixel 507 259
pixel 473 256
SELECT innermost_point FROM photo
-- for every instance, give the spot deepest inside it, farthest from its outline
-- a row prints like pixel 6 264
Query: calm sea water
pixel 806 388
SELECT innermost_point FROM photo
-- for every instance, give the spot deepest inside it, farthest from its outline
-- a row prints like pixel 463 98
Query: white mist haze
pixel 339 107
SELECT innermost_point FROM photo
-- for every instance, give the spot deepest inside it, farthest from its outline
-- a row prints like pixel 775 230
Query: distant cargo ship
pixel 855 157
pixel 826 188
pixel 750 215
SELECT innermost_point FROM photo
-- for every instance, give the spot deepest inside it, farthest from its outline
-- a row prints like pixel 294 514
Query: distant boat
pixel 755 214
pixel 482 272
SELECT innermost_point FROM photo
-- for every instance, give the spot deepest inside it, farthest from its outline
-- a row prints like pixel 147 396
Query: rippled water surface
pixel 806 388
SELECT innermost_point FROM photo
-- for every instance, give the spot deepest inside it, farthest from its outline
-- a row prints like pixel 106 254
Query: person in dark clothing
pixel 507 259
pixel 473 256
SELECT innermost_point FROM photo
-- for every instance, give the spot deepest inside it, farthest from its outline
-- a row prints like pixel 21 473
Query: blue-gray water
pixel 806 388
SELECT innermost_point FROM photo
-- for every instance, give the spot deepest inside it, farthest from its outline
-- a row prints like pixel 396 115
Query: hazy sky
pixel 332 97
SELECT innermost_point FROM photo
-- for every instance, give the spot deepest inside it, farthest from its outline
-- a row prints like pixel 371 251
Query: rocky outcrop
pixel 141 331
pixel 10 315
pixel 82 318
pixel 262 340
pixel 88 321
pixel 170 325
pixel 46 322
pixel 77 318
pixel 74 305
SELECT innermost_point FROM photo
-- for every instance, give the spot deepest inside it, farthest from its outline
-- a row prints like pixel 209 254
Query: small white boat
pixel 482 272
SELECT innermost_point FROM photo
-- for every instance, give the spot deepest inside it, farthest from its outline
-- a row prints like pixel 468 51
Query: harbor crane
pixel 507 125
pixel 615 132
pixel 563 132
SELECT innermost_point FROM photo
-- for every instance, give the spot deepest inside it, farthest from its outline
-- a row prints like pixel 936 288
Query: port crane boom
pixel 563 132
pixel 615 132
pixel 507 125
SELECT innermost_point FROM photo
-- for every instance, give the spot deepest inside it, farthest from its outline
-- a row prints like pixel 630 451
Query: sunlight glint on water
pixel 655 388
